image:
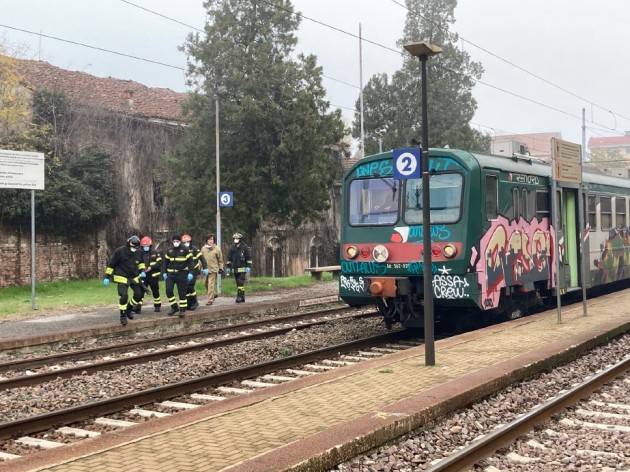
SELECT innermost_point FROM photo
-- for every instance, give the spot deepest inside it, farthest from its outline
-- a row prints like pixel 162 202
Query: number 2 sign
pixel 407 163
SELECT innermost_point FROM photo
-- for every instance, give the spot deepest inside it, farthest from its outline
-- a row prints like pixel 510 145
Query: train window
pixel 524 204
pixel 606 213
pixel 620 212
pixel 542 204
pixel 591 208
pixel 492 196
pixel 373 202
pixel 515 203
pixel 446 199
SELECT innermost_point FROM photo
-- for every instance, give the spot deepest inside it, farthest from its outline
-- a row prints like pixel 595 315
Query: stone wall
pixel 57 258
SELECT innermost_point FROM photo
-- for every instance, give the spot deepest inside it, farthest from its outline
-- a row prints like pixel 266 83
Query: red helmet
pixel 186 238
pixel 146 241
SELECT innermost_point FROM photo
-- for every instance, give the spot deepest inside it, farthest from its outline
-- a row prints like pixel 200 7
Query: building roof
pixel 120 96
pixel 609 141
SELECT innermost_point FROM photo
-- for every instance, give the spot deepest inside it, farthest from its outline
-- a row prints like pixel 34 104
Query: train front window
pixel 374 201
pixel 445 197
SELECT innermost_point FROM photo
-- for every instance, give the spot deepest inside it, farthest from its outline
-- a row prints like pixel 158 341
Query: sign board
pixel 20 169
pixel 226 199
pixel 407 163
pixel 567 161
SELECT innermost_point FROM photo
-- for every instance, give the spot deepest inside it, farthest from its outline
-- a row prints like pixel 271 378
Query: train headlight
pixel 380 253
pixel 352 252
pixel 449 251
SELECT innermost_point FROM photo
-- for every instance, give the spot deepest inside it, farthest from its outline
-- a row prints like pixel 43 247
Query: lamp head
pixel 422 49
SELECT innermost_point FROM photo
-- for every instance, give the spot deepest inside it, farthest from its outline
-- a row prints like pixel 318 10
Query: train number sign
pixel 226 199
pixel 407 163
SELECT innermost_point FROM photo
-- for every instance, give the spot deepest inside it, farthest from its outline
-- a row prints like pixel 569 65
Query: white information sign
pixel 20 169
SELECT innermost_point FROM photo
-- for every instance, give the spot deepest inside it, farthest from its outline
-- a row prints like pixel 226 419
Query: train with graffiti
pixel 492 237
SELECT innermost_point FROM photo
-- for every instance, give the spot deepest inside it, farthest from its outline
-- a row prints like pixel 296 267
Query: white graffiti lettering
pixel 450 287
pixel 352 284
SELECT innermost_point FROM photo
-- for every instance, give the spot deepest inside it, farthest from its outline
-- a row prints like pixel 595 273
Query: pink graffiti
pixel 516 253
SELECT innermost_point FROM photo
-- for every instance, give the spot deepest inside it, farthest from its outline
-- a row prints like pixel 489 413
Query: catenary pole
pixel 361 91
pixel 555 208
pixel 581 217
pixel 33 255
pixel 218 183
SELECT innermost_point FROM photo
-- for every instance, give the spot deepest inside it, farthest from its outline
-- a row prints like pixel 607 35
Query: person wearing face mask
pixel 153 263
pixel 239 260
pixel 199 266
pixel 177 270
pixel 126 269
pixel 211 253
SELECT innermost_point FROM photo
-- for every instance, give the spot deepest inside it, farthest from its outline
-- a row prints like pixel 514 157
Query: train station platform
pixel 315 422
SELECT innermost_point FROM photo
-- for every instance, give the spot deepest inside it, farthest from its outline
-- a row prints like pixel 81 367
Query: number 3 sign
pixel 407 163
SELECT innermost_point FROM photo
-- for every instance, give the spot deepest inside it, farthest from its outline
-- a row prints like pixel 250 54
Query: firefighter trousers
pixel 177 279
pixel 191 291
pixel 123 297
pixel 153 283
pixel 240 277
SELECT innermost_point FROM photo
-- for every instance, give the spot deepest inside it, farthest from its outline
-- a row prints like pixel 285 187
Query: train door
pixel 568 238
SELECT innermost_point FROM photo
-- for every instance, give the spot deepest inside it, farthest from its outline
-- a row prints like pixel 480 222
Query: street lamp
pixel 423 50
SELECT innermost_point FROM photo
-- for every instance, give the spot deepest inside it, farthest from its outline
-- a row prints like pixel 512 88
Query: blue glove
pixel 248 270
pixel 189 277
pixel 105 282
pixel 143 275
pixel 165 276
pixel 204 272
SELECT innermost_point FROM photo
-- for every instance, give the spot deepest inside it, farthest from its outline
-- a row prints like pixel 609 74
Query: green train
pixel 491 232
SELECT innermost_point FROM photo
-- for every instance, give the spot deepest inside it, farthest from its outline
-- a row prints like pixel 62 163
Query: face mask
pixel 133 249
pixel 186 244
pixel 176 243
pixel 146 248
pixel 236 241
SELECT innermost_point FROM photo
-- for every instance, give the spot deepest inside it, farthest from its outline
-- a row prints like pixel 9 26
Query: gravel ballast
pixel 416 450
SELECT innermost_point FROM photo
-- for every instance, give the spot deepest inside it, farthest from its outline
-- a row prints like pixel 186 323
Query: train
pixel 492 237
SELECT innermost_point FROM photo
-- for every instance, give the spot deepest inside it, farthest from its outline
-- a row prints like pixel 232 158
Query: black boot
pixel 193 304
pixel 173 311
pixel 123 317
pixel 157 308
pixel 182 313
pixel 129 313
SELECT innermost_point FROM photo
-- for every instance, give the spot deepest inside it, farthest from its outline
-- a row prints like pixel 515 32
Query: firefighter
pixel 199 266
pixel 239 260
pixel 126 269
pixel 177 270
pixel 152 260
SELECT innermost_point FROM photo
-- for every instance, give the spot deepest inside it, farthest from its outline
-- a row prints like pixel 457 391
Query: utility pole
pixel 581 206
pixel 218 182
pixel 361 91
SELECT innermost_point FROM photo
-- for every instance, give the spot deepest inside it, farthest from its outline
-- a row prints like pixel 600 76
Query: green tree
pixel 276 131
pixel 393 106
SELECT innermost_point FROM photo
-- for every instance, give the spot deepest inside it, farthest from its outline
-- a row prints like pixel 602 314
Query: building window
pixel 620 212
pixel 591 208
pixel 606 213
pixel 492 196
pixel 542 204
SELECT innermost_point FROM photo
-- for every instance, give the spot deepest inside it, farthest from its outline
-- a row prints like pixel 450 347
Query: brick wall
pixel 57 258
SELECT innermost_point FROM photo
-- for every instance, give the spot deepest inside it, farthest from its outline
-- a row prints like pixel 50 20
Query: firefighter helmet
pixel 176 237
pixel 133 241
pixel 186 238
pixel 146 241
pixel 237 235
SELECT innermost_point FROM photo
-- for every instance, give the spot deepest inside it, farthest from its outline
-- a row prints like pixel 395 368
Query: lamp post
pixel 423 50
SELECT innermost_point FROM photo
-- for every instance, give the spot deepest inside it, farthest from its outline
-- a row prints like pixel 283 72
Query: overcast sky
pixel 581 45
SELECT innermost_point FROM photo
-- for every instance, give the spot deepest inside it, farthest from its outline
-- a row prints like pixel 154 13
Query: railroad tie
pixel 206 398
pixel 337 363
pixel 234 390
pixel 78 432
pixel 256 384
pixel 179 405
pixel 370 353
pixel 37 442
pixel 277 378
pixel 114 423
pixel 148 413
pixel 384 350
pixel 320 367
pixel 618 406
pixel 300 373
pixel 5 456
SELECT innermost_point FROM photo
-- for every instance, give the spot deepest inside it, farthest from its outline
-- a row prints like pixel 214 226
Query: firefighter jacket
pixel 125 266
pixel 153 263
pixel 199 262
pixel 177 259
pixel 239 258
pixel 213 257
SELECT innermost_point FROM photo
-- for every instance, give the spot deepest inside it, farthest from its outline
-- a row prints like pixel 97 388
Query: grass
pixel 73 294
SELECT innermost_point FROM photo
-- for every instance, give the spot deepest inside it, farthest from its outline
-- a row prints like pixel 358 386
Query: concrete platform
pixel 37 329
pixel 319 420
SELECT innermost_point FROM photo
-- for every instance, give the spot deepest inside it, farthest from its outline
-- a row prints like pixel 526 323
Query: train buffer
pixel 317 272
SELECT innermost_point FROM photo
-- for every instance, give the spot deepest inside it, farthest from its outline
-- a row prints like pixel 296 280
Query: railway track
pixel 593 418
pixel 140 351
pixel 168 399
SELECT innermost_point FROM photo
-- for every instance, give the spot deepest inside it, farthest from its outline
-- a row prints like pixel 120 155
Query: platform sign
pixel 407 163
pixel 567 161
pixel 226 199
pixel 21 170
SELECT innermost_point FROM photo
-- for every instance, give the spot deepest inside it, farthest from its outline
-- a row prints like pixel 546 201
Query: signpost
pixel 566 159
pixel 407 163
pixel 24 170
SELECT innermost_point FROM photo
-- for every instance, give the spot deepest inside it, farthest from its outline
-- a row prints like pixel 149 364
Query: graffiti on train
pixel 517 252
pixel 353 284
pixel 450 287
